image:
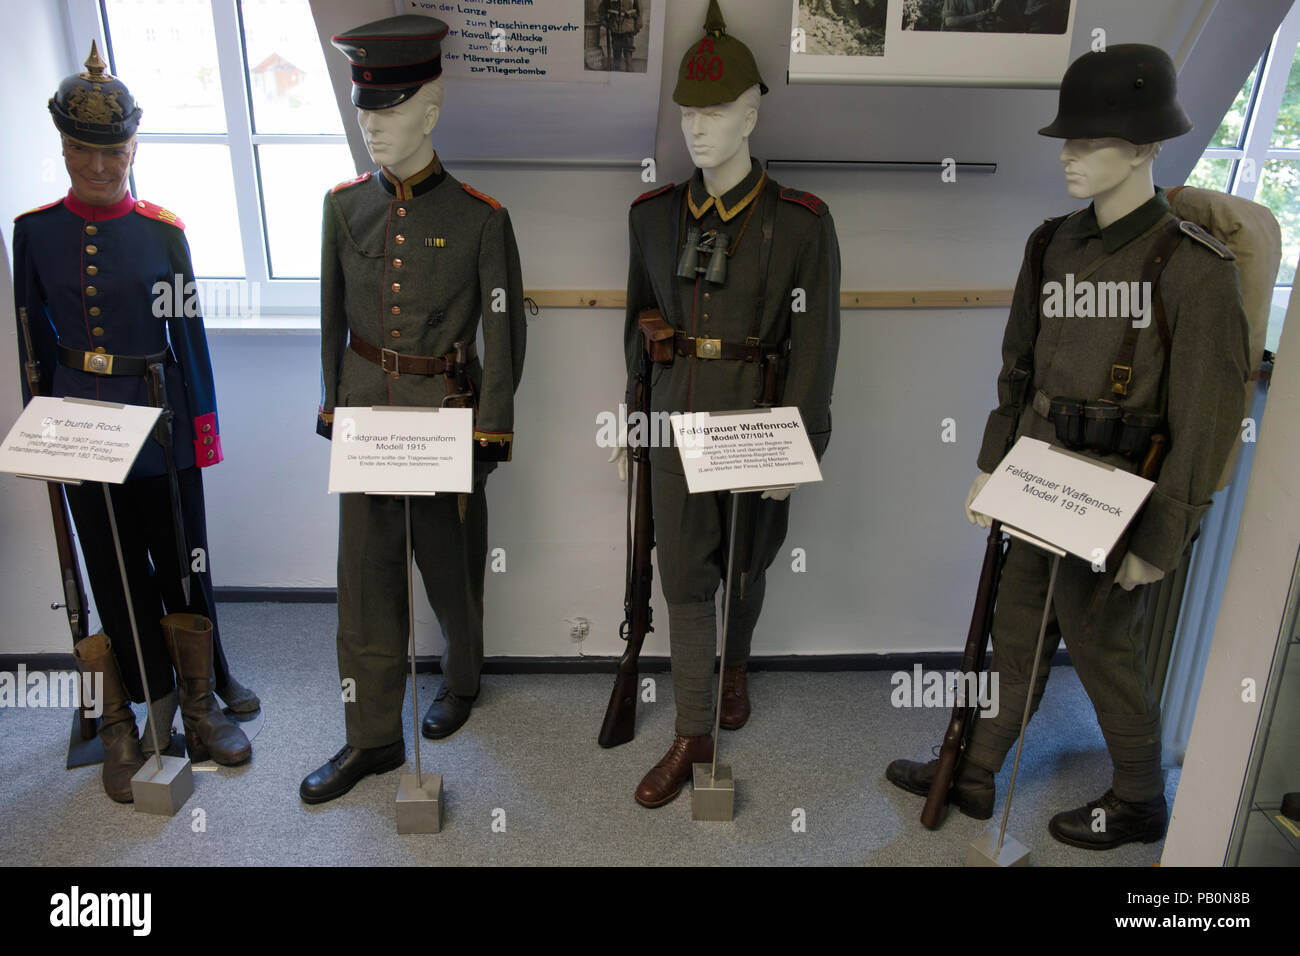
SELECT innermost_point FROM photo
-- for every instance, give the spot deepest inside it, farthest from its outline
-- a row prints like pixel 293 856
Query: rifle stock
pixel 619 725
pixel 977 637
pixel 74 590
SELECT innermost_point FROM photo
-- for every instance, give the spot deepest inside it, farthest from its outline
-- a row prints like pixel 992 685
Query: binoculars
pixel 713 244
pixel 1104 426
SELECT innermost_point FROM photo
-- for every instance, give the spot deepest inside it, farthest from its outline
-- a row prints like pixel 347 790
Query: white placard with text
pixel 402 451
pixel 1073 502
pixel 76 440
pixel 744 451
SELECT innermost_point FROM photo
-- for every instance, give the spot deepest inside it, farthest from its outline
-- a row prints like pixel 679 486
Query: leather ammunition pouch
pixel 658 336
pixel 1100 425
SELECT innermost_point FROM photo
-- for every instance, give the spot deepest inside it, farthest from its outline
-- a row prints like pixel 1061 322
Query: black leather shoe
pixel 346 768
pixel 1110 822
pixel 446 715
pixel 972 791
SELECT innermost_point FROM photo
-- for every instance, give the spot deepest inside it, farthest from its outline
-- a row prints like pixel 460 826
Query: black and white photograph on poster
pixel 987 16
pixel 844 27
pixel 1022 43
pixel 617 35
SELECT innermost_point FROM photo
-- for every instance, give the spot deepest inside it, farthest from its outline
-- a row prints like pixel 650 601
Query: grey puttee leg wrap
pixel 693 643
pixel 1134 745
pixel 992 738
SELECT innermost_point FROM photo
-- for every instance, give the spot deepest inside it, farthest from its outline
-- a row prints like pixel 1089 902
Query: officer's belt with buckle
pixel 400 364
pixel 116 366
pixel 751 350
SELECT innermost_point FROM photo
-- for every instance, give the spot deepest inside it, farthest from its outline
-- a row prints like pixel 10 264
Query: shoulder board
pixel 351 182
pixel 1193 231
pixel 652 194
pixel 152 210
pixel 807 200
pixel 478 195
pixel 48 205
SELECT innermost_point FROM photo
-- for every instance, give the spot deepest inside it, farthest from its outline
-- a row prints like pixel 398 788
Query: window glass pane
pixel 290 87
pixel 166 54
pixel 1279 190
pixel 295 180
pixel 1234 121
pixel 1286 134
pixel 196 183
pixel 1211 174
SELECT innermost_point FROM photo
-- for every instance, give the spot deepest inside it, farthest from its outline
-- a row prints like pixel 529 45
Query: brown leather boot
pixel 209 734
pixel 665 779
pixel 122 754
pixel 735 698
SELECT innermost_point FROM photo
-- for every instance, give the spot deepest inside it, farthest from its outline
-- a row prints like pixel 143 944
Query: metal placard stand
pixel 164 783
pixel 998 849
pixel 419 795
pixel 714 793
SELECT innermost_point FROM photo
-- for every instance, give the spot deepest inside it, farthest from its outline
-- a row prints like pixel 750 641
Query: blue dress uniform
pixel 87 276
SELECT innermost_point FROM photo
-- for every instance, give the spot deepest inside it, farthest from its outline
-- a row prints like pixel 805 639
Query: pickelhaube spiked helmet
pixel 717 68
pixel 1129 92
pixel 94 107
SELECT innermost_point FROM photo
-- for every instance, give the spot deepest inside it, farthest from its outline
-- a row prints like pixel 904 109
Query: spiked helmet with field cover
pixel 716 69
pixel 1129 92
pixel 95 108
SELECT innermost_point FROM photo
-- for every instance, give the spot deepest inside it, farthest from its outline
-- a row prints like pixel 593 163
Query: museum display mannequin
pixel 1185 368
pixel 411 259
pixel 716 366
pixel 84 271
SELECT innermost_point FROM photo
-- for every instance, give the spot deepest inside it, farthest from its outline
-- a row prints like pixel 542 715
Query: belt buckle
pixel 1118 385
pixel 99 363
pixel 708 348
pixel 383 362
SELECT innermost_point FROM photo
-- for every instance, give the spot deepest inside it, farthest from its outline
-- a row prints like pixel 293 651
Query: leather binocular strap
pixel 402 364
pixel 114 366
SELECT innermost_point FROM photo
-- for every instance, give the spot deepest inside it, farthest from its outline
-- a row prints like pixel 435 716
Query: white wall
pixel 892 564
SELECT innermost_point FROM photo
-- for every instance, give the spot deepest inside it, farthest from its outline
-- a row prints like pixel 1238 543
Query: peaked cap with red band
pixel 391 59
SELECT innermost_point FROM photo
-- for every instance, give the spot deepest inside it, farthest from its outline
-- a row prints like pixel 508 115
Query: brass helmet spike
pixel 96 68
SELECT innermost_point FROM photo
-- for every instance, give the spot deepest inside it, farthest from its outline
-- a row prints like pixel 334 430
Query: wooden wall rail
pixel 904 299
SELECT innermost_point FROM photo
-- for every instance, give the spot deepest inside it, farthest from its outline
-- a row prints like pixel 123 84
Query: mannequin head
pixel 398 137
pixel 716 135
pixel 99 174
pixel 1114 173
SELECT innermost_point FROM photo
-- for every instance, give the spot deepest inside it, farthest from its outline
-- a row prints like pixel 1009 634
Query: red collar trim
pixel 99 213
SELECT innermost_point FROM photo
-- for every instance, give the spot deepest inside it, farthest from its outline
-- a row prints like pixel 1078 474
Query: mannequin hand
pixel 1134 572
pixel 974 517
pixel 619 457
pixel 778 494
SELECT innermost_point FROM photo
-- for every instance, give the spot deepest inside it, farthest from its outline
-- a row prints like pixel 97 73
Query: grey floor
pixel 817 742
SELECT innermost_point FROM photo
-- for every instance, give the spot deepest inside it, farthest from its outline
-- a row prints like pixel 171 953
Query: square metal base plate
pixel 714 798
pixel 419 810
pixel 162 791
pixel 983 851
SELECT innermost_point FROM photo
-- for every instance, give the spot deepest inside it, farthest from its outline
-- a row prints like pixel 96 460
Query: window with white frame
pixel 1255 153
pixel 240 136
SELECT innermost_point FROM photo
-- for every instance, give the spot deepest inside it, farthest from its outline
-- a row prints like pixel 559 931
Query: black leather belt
pixel 751 350
pixel 116 366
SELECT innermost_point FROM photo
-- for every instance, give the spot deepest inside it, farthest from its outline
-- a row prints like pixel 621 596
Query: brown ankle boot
pixel 122 754
pixel 735 698
pixel 665 779
pixel 209 734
